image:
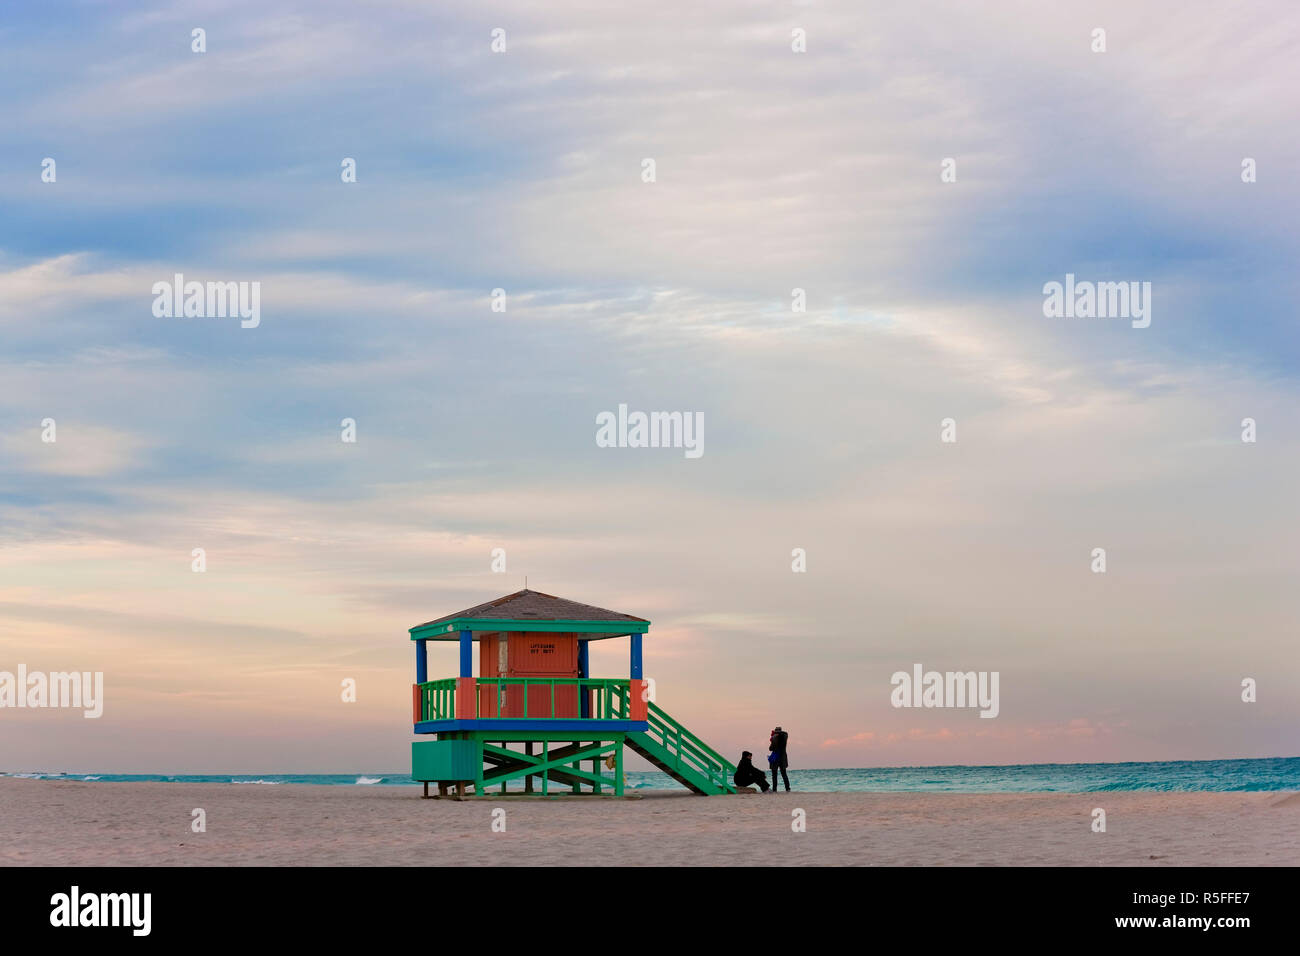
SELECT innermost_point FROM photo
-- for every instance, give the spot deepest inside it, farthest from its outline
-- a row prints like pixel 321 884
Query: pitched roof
pixel 535 606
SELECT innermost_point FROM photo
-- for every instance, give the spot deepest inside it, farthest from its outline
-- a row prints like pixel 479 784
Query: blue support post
pixel 421 662
pixel 636 656
pixel 466 653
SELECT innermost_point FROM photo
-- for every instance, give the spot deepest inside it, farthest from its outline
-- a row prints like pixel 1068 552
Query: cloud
pixel 78 450
pixel 776 171
pixel 866 736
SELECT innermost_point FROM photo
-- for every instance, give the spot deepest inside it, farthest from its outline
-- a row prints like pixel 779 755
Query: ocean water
pixel 1273 773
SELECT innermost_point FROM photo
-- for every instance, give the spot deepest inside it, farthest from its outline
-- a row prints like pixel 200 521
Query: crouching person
pixel 747 774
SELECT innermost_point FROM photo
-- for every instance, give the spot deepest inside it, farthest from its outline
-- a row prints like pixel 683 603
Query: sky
pixel 774 170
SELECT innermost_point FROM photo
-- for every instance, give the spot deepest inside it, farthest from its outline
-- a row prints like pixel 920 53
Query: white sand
pixel 88 823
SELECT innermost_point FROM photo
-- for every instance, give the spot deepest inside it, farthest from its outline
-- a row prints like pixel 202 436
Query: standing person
pixel 777 748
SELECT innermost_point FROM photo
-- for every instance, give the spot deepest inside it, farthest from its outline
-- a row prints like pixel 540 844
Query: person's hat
pixel 779 730
pixel 746 753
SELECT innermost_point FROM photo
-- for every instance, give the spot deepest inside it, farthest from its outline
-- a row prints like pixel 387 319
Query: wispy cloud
pixel 775 171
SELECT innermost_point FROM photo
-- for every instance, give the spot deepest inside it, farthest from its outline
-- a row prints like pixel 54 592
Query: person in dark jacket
pixel 777 748
pixel 746 773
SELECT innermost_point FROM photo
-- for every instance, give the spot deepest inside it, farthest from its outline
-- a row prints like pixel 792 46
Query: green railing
pixel 438 697
pixel 666 742
pixel 607 698
pixel 688 750
pixel 684 750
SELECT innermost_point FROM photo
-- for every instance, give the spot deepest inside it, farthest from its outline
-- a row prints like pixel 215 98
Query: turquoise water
pixel 1273 773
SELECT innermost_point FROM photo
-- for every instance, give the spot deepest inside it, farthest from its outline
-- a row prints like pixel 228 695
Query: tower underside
pixel 519 762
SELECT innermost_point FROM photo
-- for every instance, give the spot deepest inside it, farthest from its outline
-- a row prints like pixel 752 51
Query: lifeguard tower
pixel 534 716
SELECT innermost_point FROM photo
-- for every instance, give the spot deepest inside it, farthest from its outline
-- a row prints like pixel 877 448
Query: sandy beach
pixel 72 823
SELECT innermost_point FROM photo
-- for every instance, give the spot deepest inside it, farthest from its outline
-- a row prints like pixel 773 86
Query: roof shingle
pixel 534 606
